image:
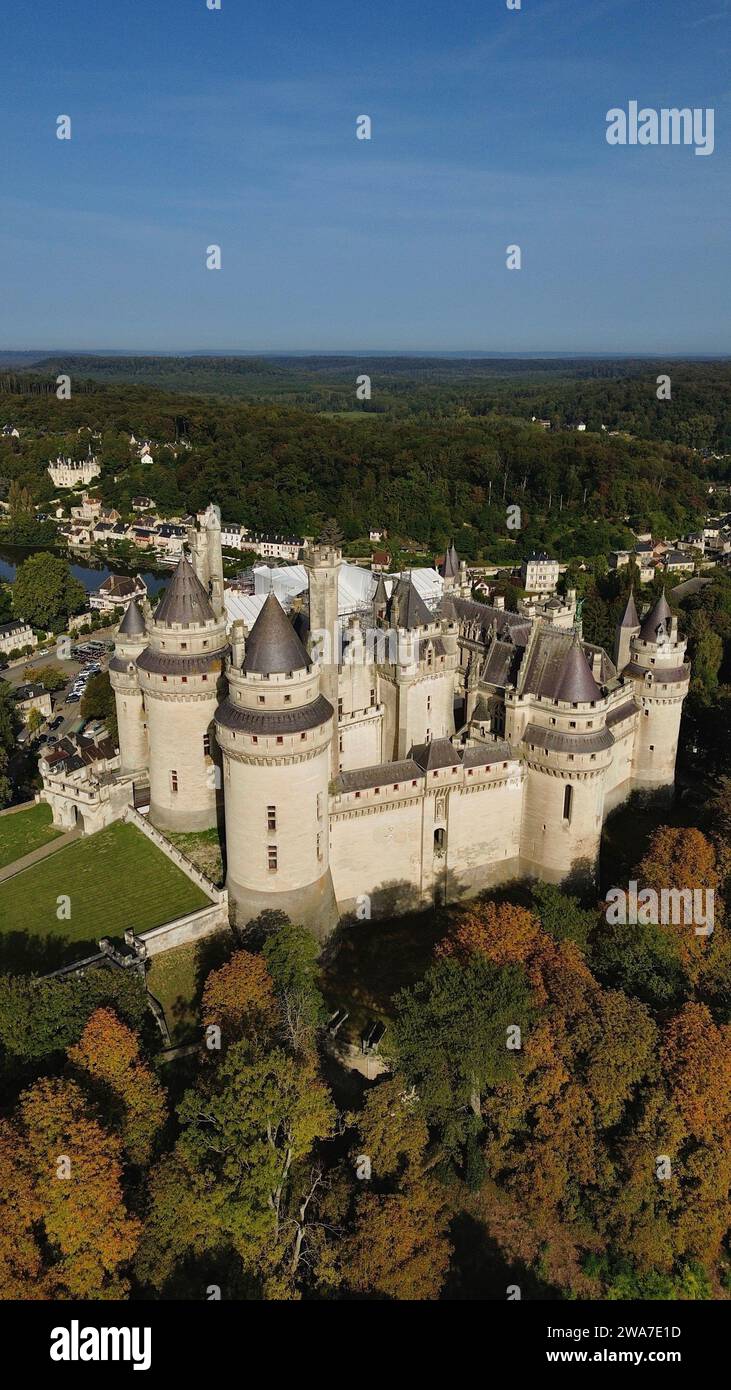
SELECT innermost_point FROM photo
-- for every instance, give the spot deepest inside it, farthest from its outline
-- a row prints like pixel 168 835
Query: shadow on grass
pixel 23 953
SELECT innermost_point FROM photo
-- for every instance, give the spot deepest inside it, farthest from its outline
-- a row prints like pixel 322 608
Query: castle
pixel 384 760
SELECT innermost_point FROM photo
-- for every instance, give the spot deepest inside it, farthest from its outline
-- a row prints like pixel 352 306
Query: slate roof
pixel 630 618
pixel 557 669
pixel 438 753
pixel 450 565
pixel 555 741
pixel 427 757
pixel 162 664
pixel 381 775
pixel 408 609
pixel 466 610
pixel 501 663
pixel 482 754
pixel 380 596
pixel 186 601
pixel 616 716
pixel 273 646
pixel 133 623
pixel 289 721
pixel 659 616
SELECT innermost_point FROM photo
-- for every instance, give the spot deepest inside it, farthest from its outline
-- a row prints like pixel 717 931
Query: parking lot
pixel 89 657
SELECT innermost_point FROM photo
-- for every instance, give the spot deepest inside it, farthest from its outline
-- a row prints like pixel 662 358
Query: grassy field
pixel 203 848
pixel 114 880
pixel 25 831
pixel 176 979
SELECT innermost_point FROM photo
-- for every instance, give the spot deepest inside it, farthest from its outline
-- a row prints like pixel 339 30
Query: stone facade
pixel 403 756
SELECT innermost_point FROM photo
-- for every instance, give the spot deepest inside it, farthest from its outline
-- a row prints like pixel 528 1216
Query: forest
pixel 426 476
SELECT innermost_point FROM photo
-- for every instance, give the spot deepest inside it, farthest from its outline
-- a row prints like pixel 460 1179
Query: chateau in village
pixel 374 751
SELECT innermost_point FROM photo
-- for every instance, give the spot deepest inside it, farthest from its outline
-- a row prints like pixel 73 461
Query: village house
pixel 539 573
pixel 30 697
pixel 117 590
pixel 15 635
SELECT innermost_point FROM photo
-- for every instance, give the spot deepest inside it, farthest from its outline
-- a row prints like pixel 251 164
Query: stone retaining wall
pixel 176 856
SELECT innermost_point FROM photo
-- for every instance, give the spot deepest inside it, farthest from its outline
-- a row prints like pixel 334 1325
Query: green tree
pixel 98 702
pixel 291 954
pixel 450 1036
pixel 45 592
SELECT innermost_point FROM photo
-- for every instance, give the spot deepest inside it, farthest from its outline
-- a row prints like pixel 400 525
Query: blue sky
pixel 237 127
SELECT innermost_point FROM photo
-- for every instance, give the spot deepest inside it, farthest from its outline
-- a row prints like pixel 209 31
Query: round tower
pixel 661 677
pixel 129 644
pixel 274 730
pixel 180 673
pixel 567 749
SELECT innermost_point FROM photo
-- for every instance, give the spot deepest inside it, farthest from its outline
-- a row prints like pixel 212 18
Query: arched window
pixel 568 797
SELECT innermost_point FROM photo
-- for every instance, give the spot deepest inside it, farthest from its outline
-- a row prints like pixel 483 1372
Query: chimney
pixel 500 602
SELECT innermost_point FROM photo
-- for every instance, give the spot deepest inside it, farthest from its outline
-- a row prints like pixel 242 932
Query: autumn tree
pixel 240 999
pixel 129 1094
pixel 680 858
pixel 66 1181
pixel 399 1247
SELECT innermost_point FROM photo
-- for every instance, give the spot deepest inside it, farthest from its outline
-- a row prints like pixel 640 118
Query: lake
pixel 91 576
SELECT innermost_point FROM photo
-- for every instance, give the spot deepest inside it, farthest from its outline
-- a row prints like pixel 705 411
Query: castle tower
pixel 450 569
pixel 417 684
pixel 180 674
pixel 274 730
pixel 215 558
pixel 628 628
pixel 129 644
pixel 322 563
pixel 380 601
pixel 567 750
pixel 204 542
pixel 661 679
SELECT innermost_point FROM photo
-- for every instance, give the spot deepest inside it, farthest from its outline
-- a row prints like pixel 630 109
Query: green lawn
pixel 25 831
pixel 176 979
pixel 114 880
pixel 203 848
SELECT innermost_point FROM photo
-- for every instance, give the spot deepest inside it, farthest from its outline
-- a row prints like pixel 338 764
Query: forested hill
pixel 617 393
pixel 425 477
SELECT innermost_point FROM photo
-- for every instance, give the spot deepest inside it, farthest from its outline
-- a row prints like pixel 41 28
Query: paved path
pixel 18 865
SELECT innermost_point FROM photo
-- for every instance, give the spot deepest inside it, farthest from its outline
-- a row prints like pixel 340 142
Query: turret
pixel 180 674
pixel 450 569
pixel 661 677
pixel 628 628
pixel 129 644
pixel 275 729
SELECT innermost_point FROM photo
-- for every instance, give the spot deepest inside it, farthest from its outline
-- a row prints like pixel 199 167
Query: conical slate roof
pixel 577 684
pixel 186 601
pixel 380 597
pixel 450 567
pixel 273 646
pixel 630 618
pixel 133 623
pixel 658 617
pixel 408 610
